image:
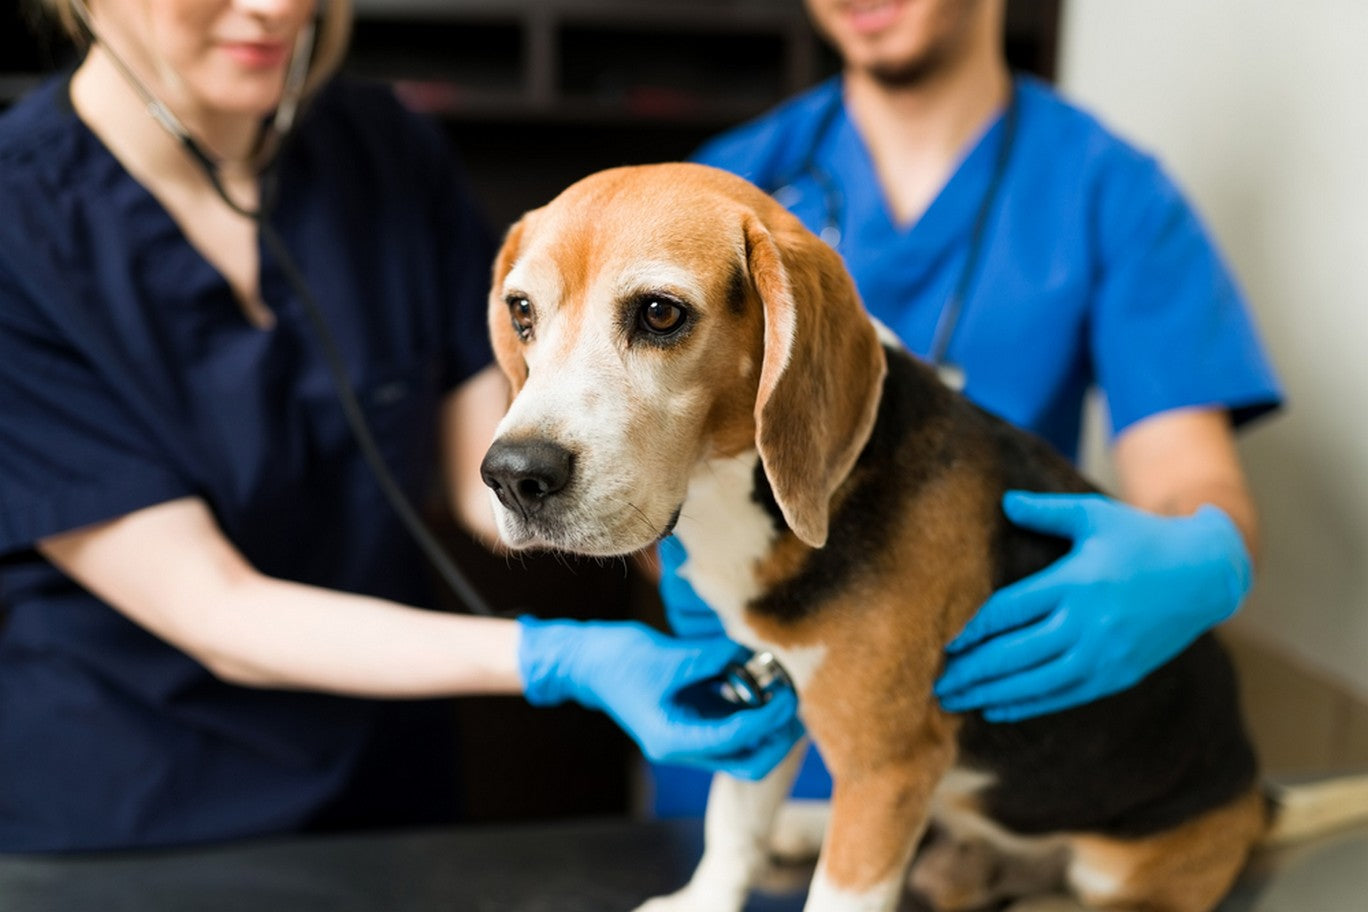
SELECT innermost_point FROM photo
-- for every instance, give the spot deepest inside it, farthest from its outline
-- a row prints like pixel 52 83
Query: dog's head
pixel 652 317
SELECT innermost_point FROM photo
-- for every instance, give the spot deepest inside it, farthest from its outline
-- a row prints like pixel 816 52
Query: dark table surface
pixel 581 866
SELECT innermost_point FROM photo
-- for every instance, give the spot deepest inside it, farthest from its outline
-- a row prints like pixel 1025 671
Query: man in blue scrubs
pixel 1011 239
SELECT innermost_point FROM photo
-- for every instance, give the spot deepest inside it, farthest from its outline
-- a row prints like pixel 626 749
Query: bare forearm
pixel 1233 498
pixel 1177 461
pixel 266 632
pixel 169 569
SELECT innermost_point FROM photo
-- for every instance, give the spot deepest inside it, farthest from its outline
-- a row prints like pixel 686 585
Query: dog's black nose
pixel 525 473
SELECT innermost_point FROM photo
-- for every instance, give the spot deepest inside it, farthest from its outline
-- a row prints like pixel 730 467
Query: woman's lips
pixel 257 55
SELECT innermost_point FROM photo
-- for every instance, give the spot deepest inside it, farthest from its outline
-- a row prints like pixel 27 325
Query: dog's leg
pixel 799 829
pixel 878 815
pixel 1187 869
pixel 955 873
pixel 969 862
pixel 1055 903
pixel 736 834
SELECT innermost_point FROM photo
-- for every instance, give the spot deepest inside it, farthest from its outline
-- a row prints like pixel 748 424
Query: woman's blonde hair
pixel 330 44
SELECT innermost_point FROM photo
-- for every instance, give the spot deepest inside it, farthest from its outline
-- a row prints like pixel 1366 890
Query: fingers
pixel 747 743
pixel 1006 655
pixel 1023 602
pixel 1043 682
pixel 1065 515
pixel 689 616
pixel 671 552
pixel 709 658
pixel 756 764
pixel 1029 709
pixel 744 729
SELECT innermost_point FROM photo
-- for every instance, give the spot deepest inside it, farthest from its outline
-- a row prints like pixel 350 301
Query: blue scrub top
pixel 1094 270
pixel 129 377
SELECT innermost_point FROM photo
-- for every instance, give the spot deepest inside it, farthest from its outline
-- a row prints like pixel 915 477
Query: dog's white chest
pixel 726 532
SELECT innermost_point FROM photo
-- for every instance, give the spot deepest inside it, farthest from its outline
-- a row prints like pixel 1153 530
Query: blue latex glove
pixel 688 615
pixel 642 678
pixel 1135 590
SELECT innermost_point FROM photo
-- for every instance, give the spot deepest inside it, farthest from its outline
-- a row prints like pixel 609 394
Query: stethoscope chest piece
pixel 754 682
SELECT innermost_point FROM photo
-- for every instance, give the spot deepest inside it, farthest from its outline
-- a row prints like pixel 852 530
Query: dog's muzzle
pixel 526 475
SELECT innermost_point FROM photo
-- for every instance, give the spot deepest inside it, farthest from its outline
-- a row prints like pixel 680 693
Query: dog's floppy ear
pixel 821 375
pixel 507 347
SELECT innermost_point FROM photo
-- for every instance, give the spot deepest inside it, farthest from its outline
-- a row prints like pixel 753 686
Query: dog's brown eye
pixel 661 316
pixel 520 312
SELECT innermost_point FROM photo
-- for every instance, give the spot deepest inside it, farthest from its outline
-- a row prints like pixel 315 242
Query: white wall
pixel 1260 110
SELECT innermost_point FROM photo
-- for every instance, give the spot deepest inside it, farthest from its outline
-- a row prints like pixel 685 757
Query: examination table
pixel 578 866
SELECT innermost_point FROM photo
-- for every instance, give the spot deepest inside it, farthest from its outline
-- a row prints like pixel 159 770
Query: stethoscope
pixel 277 131
pixel 786 193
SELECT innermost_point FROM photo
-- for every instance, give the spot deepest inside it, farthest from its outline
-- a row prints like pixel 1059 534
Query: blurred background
pixel 1257 108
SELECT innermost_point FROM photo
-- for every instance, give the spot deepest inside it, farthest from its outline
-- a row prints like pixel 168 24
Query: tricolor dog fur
pixel 685 356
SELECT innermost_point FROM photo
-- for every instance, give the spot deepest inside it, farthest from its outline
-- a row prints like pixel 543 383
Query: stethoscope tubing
pixel 832 228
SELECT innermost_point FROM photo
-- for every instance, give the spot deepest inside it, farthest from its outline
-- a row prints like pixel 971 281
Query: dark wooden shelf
pixel 708 62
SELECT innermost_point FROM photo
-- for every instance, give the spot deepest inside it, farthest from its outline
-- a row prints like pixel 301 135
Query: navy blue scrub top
pixel 1094 269
pixel 128 377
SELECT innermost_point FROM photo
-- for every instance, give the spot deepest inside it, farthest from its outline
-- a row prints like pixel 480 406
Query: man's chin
pixel 904 71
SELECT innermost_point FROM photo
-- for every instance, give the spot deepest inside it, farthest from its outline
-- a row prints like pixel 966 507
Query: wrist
pixel 1229 553
pixel 546 658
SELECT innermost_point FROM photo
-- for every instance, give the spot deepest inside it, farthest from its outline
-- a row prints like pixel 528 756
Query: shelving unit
pixel 706 61
pixel 537 93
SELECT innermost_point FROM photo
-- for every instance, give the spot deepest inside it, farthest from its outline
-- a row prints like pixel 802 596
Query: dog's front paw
pixel 1047 904
pixel 694 899
pixel 671 903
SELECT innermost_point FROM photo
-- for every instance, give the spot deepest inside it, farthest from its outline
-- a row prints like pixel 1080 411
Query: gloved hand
pixel 688 615
pixel 1135 590
pixel 636 675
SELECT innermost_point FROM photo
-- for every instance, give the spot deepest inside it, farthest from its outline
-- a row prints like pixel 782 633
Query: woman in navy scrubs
pixel 208 625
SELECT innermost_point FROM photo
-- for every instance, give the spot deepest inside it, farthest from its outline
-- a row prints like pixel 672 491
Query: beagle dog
pixel 686 357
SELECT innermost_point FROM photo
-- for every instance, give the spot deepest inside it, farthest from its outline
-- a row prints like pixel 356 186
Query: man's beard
pixel 909 74
pixel 942 55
